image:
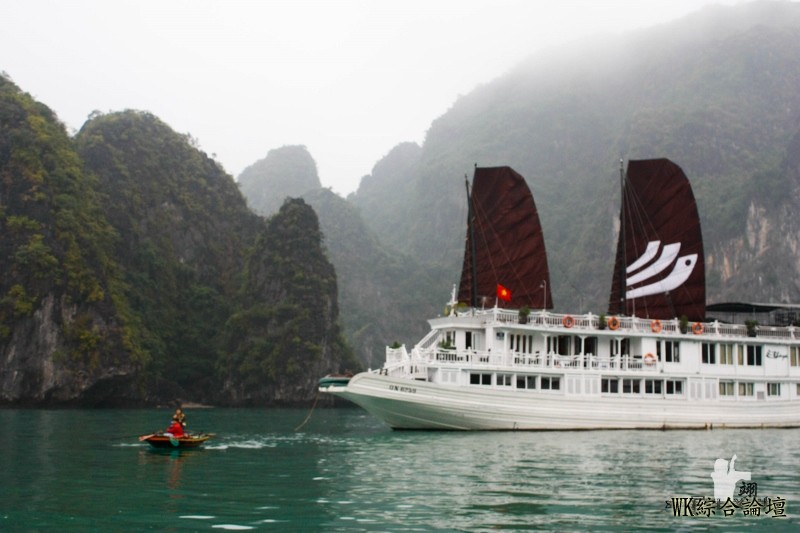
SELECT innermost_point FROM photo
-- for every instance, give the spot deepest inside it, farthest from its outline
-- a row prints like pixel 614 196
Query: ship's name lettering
pixel 772 354
pixel 399 388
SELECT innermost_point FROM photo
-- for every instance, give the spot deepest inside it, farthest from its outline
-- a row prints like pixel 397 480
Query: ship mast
pixel 471 228
pixel 623 265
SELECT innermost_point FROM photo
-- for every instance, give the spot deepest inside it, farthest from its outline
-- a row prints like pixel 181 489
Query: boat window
pixel 753 355
pixel 631 386
pixel 675 386
pixel 550 383
pixel 468 340
pixel 773 389
pixel 745 389
pixel 476 378
pixel 564 343
pixel 526 382
pixel 726 388
pixel 726 354
pixel 794 356
pixel 609 385
pixel 668 351
pixel 590 346
pixel 504 380
pixel 709 353
pixel 652 386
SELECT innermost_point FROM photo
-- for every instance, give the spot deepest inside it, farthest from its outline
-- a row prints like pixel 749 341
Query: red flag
pixel 503 293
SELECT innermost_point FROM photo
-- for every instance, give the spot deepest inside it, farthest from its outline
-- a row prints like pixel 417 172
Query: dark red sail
pixel 661 243
pixel 508 244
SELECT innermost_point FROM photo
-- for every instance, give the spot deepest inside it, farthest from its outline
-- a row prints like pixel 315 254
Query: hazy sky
pixel 348 79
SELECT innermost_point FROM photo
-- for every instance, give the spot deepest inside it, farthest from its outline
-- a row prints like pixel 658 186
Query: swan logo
pixel 726 477
pixel 648 267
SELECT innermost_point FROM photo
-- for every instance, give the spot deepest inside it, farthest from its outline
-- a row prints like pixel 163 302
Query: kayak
pixel 162 440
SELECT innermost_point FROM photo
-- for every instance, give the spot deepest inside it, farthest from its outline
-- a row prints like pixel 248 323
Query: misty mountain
pixel 285 172
pixel 716 92
pixel 384 296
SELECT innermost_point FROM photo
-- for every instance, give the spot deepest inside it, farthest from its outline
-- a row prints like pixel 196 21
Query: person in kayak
pixel 175 429
pixel 179 416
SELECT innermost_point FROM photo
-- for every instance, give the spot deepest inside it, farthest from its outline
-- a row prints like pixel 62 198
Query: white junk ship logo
pixel 681 270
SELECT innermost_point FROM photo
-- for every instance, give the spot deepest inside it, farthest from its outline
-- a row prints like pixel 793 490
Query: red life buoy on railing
pixel 613 323
pixel 697 328
pixel 650 359
pixel 655 326
pixel 568 321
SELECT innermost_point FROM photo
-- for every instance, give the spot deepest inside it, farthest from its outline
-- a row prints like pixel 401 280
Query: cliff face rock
pixel 764 260
pixel 381 195
pixel 184 229
pixel 63 326
pixel 383 296
pixel 286 335
pixel 125 255
pixel 223 313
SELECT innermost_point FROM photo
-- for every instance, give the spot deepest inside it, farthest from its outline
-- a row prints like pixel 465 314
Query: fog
pixel 348 79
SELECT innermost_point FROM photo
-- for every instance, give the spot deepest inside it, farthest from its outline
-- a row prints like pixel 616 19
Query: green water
pixel 344 471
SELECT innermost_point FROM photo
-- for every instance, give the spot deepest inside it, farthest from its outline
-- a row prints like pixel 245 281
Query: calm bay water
pixel 345 471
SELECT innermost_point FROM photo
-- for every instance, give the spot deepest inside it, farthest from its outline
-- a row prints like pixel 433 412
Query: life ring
pixel 613 323
pixel 697 328
pixel 650 359
pixel 568 321
pixel 655 326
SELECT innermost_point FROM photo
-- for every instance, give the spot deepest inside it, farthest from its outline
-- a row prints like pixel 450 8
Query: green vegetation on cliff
pixel 125 252
pixel 62 296
pixel 283 333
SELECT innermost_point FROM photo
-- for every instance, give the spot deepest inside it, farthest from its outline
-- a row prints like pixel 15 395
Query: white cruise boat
pixel 636 367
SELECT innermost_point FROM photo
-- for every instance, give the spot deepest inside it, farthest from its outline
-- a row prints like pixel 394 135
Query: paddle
pixel 145 437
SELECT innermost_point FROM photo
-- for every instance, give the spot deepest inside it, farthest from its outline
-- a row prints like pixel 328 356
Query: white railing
pixel 480 359
pixel 628 325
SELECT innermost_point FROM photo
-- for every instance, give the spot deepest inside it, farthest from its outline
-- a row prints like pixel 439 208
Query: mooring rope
pixel 309 413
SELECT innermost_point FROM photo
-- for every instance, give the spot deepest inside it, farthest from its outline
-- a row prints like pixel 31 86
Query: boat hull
pixel 409 404
pixel 165 441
